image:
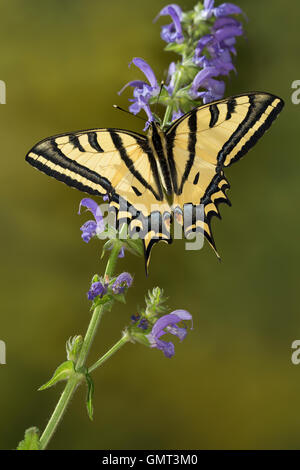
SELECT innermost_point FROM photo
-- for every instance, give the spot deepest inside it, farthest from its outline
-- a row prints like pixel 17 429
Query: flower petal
pixel 201 78
pixel 177 114
pixel 122 253
pixel 169 10
pixel 93 207
pixel 208 9
pixel 170 319
pixel 146 69
pixel 173 31
pixel 177 331
pixel 209 4
pixel 88 230
pixel 96 289
pixel 133 83
pixel 225 21
pixel 122 282
pixel 166 347
pixel 228 32
pixel 227 9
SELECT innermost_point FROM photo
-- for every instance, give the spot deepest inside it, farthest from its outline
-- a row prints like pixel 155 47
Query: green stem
pixel 97 314
pixel 75 379
pixel 59 411
pixel 125 338
pixel 169 110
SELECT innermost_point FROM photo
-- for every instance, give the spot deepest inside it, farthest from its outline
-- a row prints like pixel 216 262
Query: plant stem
pixel 125 338
pixel 169 110
pixel 97 314
pixel 75 379
pixel 59 411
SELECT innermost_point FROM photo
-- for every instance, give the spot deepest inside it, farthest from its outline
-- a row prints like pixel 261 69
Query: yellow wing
pixel 113 162
pixel 209 138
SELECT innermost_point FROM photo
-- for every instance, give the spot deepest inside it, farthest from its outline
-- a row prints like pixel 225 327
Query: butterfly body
pixel 150 178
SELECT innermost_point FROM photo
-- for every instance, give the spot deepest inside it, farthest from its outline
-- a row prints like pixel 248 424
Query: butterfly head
pixel 154 129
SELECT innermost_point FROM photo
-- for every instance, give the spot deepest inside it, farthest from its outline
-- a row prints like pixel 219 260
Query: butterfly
pixel 148 179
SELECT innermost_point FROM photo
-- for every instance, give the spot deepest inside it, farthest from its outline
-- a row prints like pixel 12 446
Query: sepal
pixel 155 303
pixel 137 336
pixel 176 47
pixel 120 298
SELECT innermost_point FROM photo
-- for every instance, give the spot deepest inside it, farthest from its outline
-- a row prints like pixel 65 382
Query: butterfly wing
pixel 114 162
pixel 208 139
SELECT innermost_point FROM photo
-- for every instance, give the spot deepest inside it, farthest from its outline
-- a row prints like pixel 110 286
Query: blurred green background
pixel 231 384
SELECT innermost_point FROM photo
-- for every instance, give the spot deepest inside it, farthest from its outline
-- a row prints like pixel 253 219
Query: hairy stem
pixel 125 338
pixel 59 411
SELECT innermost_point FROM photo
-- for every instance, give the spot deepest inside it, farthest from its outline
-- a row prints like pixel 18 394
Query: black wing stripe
pixel 129 163
pixel 255 111
pixel 231 105
pixel 75 142
pixel 93 141
pixel 196 179
pixel 192 124
pixel 145 147
pixel 62 177
pixel 50 151
pixel 259 133
pixel 214 111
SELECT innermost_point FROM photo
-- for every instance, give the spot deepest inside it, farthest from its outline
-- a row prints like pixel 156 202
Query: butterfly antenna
pixel 162 84
pixel 128 112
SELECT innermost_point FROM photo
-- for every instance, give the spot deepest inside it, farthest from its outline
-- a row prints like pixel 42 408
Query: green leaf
pixel 177 48
pixel 63 372
pixel 134 246
pixel 31 440
pixel 107 246
pixel 120 298
pixel 90 394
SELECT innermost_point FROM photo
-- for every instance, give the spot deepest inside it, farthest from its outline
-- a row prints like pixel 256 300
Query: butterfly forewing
pixel 209 138
pixel 114 162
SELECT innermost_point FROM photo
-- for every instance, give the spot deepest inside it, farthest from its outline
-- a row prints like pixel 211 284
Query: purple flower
pixel 172 32
pixel 220 57
pixel 219 45
pixel 143 324
pixel 97 289
pixel 213 51
pixel 227 9
pixel 142 91
pixel 171 78
pixel 122 253
pixel 177 114
pixel 122 282
pixel 168 324
pixel 203 79
pixel 222 10
pixel 135 318
pixel 92 227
